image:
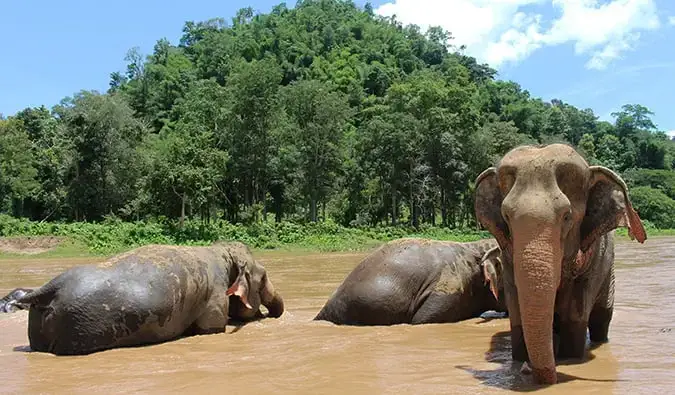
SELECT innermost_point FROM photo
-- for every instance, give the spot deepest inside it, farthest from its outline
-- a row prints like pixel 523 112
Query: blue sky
pixel 598 54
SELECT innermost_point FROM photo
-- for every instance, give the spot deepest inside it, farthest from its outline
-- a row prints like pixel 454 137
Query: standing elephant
pixel 553 216
pixel 418 281
pixel 148 295
pixel 8 302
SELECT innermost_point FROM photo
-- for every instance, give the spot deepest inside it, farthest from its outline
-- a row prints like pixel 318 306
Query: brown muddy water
pixel 295 355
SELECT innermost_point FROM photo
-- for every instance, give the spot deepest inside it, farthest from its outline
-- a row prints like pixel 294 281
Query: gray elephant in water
pixel 418 281
pixel 149 295
pixel 8 302
pixel 553 216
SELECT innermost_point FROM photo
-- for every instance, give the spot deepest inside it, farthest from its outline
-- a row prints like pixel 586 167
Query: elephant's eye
pixel 568 216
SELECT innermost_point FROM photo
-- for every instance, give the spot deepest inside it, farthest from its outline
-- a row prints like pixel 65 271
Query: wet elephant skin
pixel 148 295
pixel 416 281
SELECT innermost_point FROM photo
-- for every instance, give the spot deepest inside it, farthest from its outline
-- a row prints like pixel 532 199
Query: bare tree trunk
pixel 182 210
pixel 432 213
pixel 312 209
pixel 394 214
pixel 264 202
pixel 444 209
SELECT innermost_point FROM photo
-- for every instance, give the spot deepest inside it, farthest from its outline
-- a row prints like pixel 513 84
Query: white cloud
pixel 671 134
pixel 501 31
pixel 671 20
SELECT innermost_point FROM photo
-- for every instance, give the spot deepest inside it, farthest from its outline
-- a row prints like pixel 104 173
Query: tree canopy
pixel 322 111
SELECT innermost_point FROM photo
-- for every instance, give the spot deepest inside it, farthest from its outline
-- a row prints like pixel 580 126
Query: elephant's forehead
pixel 540 158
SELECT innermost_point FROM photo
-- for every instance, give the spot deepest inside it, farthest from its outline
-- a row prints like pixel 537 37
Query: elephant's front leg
pixel 572 339
pixel 214 317
pixel 518 348
pixel 572 312
pixel 601 315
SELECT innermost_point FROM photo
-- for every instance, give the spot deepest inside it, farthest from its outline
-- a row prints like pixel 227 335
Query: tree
pixel 253 120
pixel 17 174
pixel 52 158
pixel 322 111
pixel 103 135
pixel 319 117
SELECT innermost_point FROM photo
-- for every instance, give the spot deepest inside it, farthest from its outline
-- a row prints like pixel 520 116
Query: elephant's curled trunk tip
pixel 276 306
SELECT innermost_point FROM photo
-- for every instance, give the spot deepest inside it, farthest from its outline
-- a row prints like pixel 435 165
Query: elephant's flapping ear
pixel 488 207
pixel 491 268
pixel 241 287
pixel 608 207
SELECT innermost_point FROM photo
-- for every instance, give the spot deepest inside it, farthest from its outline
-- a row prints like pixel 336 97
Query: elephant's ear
pixel 608 207
pixel 241 287
pixel 491 265
pixel 488 207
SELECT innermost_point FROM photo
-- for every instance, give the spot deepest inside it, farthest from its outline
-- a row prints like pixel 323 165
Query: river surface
pixel 295 355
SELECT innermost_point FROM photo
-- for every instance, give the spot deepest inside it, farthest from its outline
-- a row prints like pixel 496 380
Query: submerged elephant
pixel 418 281
pixel 148 295
pixel 553 216
pixel 8 302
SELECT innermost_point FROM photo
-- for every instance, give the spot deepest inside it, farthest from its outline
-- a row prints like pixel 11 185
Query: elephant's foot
pixel 598 324
pixel 572 340
pixel 518 348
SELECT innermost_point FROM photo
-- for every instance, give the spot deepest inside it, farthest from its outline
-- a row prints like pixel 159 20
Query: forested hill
pixel 323 111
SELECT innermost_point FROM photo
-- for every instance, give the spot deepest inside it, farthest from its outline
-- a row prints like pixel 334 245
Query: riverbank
pixel 22 238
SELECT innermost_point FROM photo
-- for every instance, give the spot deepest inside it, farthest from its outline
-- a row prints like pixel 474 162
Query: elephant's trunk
pixel 275 306
pixel 537 260
pixel 272 300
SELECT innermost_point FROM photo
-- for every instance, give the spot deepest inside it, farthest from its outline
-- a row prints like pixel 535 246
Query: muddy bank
pixel 29 245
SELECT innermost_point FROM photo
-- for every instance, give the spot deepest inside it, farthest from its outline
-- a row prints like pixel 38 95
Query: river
pixel 295 355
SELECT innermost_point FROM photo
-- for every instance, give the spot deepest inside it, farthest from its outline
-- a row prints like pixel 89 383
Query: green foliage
pixel 113 235
pixel 655 205
pixel 17 176
pixel 322 113
pixel 663 180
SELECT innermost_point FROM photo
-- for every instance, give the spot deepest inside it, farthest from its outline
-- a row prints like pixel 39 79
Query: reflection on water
pixel 293 354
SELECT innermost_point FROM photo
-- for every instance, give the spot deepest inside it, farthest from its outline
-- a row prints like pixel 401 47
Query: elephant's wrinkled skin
pixel 148 295
pixel 417 281
pixel 553 216
pixel 8 302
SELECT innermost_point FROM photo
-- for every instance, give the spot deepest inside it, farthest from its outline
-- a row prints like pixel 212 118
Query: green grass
pixel 114 236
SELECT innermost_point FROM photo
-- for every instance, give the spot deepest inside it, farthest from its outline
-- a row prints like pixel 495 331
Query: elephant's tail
pixel 41 296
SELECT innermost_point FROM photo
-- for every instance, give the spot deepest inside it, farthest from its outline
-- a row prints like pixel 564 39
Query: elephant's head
pixel 491 265
pixel 253 287
pixel 546 207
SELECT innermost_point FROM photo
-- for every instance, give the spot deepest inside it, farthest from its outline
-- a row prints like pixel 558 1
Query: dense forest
pixel 320 112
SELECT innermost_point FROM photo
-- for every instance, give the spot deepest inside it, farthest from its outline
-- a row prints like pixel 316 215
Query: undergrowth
pixel 112 236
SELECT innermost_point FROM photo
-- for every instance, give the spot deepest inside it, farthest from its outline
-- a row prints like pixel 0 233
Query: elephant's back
pixel 163 257
pixel 145 281
pixel 384 288
pixel 131 302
